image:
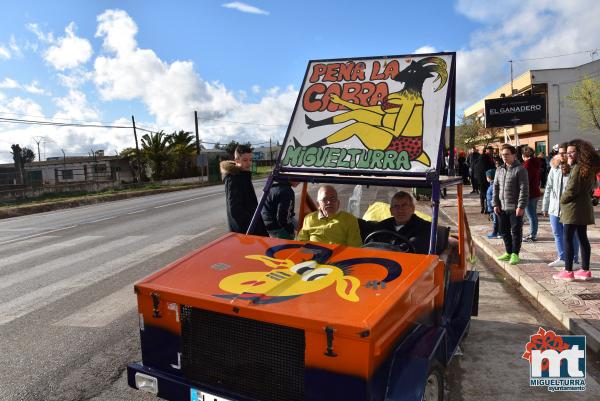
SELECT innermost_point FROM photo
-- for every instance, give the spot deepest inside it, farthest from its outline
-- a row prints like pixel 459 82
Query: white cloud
pixel 42 37
pixel 256 89
pixel 516 30
pixel 15 47
pixel 9 84
pixel 74 106
pixel 4 53
pixel 33 87
pixel 118 30
pixel 425 49
pixel 245 8
pixel 75 78
pixel 70 51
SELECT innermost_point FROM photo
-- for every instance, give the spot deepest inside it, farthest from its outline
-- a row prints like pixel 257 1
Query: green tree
pixel 27 155
pixel 131 155
pixel 182 148
pixel 585 98
pixel 230 147
pixel 472 132
pixel 156 151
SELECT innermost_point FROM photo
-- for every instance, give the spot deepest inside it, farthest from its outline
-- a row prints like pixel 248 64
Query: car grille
pixel 254 359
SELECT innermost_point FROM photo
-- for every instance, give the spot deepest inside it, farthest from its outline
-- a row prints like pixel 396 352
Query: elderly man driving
pixel 405 222
pixel 328 224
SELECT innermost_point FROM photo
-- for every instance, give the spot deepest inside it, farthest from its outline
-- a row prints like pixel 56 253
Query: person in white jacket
pixel 555 186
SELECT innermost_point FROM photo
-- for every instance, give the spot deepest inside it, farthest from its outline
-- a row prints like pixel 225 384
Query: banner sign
pixel 366 115
pixel 517 110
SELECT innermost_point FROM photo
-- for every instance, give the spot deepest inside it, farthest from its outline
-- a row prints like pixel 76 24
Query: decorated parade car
pixel 250 318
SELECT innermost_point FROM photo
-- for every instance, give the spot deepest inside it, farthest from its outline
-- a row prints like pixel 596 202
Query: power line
pixel 57 124
pixel 240 122
pixel 591 51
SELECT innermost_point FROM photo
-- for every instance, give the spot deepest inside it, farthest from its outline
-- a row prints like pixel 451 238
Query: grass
pixel 78 195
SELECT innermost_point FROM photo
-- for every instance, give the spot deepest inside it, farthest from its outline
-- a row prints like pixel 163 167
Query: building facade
pixel 562 123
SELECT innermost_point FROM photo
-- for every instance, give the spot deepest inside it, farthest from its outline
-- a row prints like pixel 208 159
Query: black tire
pixel 434 385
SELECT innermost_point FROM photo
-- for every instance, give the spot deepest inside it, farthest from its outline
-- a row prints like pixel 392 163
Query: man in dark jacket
pixel 511 194
pixel 278 210
pixel 240 197
pixel 405 222
pixel 482 165
pixel 471 162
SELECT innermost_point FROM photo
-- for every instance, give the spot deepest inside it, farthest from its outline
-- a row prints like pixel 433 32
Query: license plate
pixel 197 395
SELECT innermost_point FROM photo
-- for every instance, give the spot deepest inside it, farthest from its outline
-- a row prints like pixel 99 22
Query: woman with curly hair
pixel 577 211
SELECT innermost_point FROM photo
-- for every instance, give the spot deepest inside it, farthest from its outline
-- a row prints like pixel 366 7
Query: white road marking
pixel 46 249
pixel 44 296
pixel 37 235
pixel 137 211
pixel 99 220
pixel 187 200
pixel 69 260
pixel 104 311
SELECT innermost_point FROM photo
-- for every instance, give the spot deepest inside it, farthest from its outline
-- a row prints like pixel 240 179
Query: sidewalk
pixel 576 304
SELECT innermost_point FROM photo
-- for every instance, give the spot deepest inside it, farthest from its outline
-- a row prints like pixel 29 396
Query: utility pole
pixel 512 92
pixel 37 140
pixel 137 152
pixel 198 159
pixel 270 153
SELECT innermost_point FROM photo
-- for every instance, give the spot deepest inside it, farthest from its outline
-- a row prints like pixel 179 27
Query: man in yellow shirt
pixel 329 225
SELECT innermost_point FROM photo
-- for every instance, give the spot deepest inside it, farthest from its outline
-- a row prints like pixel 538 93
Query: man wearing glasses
pixel 510 195
pixel 329 225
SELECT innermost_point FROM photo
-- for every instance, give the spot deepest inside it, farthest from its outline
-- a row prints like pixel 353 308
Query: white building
pixel 562 119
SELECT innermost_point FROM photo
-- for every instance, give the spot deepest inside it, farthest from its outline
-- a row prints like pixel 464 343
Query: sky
pixel 240 65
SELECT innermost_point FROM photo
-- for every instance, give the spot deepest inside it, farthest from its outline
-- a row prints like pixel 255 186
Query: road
pixel 68 323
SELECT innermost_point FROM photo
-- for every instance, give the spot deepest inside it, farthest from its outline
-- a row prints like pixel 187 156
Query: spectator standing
pixel 278 210
pixel 577 211
pixel 511 193
pixel 555 186
pixel 489 175
pixel 544 168
pixel 240 197
pixel 532 165
pixel 463 169
pixel 471 161
pixel 484 164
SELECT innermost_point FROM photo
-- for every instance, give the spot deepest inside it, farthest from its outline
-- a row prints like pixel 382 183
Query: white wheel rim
pixel 431 388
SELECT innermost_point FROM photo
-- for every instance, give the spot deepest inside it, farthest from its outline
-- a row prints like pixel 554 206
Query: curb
pixel 570 320
pixel 93 199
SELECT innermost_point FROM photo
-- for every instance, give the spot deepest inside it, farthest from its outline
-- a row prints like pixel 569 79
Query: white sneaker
pixel 557 263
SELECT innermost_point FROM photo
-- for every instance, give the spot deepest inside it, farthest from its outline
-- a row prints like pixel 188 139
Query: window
pixel 67 174
pixel 540 146
pixel 100 168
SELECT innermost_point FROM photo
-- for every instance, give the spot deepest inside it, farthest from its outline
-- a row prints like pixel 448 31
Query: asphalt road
pixel 68 324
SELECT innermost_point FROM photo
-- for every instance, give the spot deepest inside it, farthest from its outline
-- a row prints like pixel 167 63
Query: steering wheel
pixel 393 238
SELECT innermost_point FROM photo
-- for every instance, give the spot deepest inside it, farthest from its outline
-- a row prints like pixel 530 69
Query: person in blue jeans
pixel 489 175
pixel 532 165
pixel 555 186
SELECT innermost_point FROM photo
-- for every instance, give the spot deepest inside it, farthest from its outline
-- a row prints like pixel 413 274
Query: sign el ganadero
pixel 517 110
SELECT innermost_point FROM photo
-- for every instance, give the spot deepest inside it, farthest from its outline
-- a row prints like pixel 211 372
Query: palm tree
pixel 182 148
pixel 155 150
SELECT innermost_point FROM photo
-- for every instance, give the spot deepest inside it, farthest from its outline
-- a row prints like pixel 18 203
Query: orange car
pixel 250 318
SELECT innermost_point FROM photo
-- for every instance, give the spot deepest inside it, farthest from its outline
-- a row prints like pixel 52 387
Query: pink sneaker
pixel 583 275
pixel 564 275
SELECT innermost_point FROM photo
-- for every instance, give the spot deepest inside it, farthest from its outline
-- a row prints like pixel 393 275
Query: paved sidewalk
pixel 576 304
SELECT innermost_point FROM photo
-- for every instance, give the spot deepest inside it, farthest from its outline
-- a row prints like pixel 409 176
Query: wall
pixel 563 119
